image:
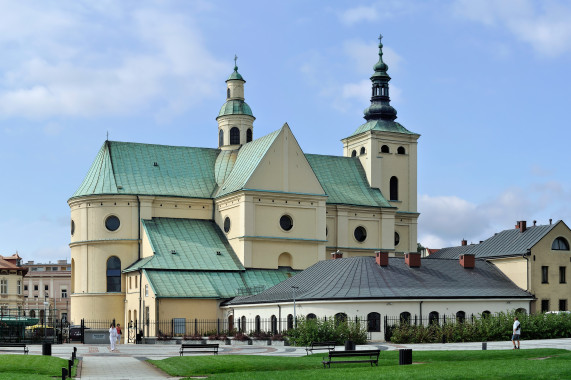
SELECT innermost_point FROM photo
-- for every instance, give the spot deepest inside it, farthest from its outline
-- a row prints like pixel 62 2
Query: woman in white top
pixel 112 336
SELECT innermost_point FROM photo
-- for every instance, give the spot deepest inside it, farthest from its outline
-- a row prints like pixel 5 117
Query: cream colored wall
pixel 243 122
pixel 553 259
pixel 12 299
pixel 102 306
pixel 236 89
pixel 515 268
pixel 284 168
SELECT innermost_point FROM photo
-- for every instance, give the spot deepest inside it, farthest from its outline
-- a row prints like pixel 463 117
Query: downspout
pixel 420 304
pixel 280 318
pixel 527 275
pixel 139 258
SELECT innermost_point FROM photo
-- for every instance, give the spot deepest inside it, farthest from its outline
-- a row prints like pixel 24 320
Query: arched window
pixel 274 324
pixel 405 318
pixel 433 317
pixel 340 318
pixel 32 314
pixel 221 138
pixel 400 150
pixel 234 136
pixel 560 244
pixel 362 151
pixel 257 326
pixel 374 322
pixel 289 321
pixel 354 153
pixel 521 310
pixel 113 274
pixel 394 188
pixel 385 149
pixel 460 316
pixel 228 93
pixel 242 324
pixel 230 322
pixel 486 314
pixel 285 260
pixel 311 316
pixel 249 135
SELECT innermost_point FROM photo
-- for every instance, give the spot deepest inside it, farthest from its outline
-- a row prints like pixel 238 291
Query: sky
pixel 485 83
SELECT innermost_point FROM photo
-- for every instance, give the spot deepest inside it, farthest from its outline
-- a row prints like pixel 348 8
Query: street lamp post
pixel 46 303
pixel 294 311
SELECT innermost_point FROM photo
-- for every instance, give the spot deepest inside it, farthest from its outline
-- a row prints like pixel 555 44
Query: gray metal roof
pixel 361 278
pixel 503 244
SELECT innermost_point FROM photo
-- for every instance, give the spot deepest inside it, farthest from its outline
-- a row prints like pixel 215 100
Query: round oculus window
pixel 397 238
pixel 72 227
pixel 112 223
pixel 360 234
pixel 227 224
pixel 286 222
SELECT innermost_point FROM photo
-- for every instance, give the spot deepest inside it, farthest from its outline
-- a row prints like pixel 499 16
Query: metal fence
pixel 32 326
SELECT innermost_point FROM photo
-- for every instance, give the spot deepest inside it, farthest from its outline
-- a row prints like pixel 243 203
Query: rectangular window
pixel 136 282
pixel 54 268
pixel 562 279
pixel 46 287
pixel 19 287
pixel 179 326
pixel 544 275
pixel 130 283
pixel 562 305
pixel 64 293
pixel 146 290
pixel 544 306
pixel 25 288
pixel 36 288
pixel 4 286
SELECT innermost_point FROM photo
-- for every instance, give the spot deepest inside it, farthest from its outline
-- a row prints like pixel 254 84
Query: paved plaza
pixel 128 361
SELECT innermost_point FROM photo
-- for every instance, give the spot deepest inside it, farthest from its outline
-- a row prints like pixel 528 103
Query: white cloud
pixel 72 65
pixel 543 25
pixel 446 220
pixel 358 14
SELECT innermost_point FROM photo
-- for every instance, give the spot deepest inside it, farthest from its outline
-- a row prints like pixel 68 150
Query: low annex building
pixel 165 232
pixel 536 258
pixel 371 288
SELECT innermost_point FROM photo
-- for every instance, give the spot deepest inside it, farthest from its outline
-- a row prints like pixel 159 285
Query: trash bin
pixel 405 356
pixel 47 349
pixel 484 346
pixel 349 345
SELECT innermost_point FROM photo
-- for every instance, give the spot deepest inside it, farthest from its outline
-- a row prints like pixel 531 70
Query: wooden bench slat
pixel 207 347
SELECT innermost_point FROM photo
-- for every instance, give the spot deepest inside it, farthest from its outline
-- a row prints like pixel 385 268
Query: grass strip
pixel 16 367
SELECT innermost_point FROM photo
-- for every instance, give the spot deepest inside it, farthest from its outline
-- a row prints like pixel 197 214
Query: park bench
pixel 365 356
pixel 329 346
pixel 208 347
pixel 15 345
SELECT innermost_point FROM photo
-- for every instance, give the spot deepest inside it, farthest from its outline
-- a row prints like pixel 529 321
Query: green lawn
pixel 32 367
pixel 505 364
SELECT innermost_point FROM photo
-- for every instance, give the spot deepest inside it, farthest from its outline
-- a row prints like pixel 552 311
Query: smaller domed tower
pixel 235 119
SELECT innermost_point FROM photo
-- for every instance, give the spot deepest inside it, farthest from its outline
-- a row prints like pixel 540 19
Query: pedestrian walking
pixel 516 333
pixel 118 333
pixel 112 336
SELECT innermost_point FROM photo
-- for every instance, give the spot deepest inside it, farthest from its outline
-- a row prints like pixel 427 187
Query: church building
pixel 163 232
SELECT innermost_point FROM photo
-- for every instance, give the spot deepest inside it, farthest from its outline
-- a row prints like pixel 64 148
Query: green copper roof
pixel 235 107
pixel 344 181
pixel 198 245
pixel 235 76
pixel 216 285
pixel 382 125
pixel 249 156
pixel 224 165
pixel 146 169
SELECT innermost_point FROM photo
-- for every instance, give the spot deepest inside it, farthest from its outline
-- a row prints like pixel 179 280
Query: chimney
pixel 464 242
pixel 382 259
pixel 412 259
pixel 550 220
pixel 336 255
pixel 521 225
pixel 534 222
pixel 467 260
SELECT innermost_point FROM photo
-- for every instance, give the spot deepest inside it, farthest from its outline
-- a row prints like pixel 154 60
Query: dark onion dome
pixel 382 111
pixel 235 107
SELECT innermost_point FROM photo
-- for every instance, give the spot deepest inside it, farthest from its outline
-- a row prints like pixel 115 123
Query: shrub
pixel 325 330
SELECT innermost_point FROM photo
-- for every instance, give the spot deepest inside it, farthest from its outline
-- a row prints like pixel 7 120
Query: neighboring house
pixel 51 283
pixel 370 288
pixel 11 281
pixel 535 258
pixel 161 232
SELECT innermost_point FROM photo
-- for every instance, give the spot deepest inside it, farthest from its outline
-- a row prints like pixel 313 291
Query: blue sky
pixel 486 84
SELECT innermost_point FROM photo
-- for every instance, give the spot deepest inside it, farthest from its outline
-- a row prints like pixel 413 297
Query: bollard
pixel 484 346
pixel 69 367
pixel 63 373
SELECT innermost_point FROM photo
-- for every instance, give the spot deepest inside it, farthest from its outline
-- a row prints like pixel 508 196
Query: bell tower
pixel 388 153
pixel 235 119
